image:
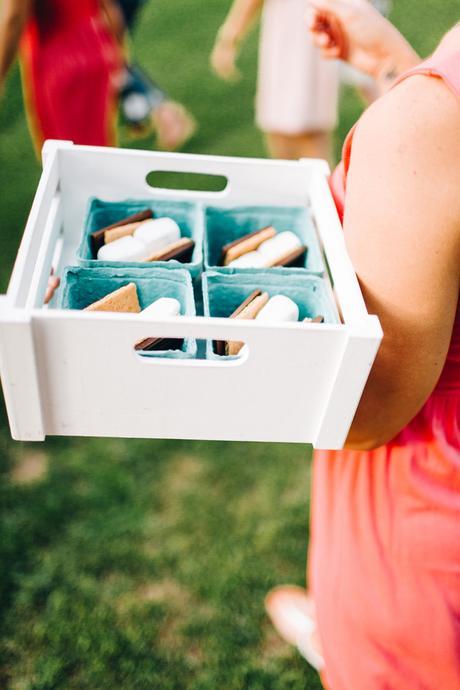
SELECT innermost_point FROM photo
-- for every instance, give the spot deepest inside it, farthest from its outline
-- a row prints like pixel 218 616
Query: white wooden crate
pixel 76 373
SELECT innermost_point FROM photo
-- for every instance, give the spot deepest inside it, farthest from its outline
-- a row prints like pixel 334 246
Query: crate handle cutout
pixel 186 181
pixel 173 348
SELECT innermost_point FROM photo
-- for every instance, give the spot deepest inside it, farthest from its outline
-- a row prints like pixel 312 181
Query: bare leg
pixel 174 125
pixel 306 145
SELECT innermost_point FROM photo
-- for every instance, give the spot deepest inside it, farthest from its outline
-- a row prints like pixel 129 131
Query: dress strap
pixel 443 64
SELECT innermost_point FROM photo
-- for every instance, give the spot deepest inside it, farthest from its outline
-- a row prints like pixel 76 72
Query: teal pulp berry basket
pixel 82 286
pixel 100 214
pixel 224 292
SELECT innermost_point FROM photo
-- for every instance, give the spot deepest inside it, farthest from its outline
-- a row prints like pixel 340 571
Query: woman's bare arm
pixel 354 31
pixel 13 17
pixel 240 18
pixel 402 230
pixel 114 18
pixel 238 22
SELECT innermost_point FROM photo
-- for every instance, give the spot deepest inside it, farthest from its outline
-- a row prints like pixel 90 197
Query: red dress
pixel 384 564
pixel 70 62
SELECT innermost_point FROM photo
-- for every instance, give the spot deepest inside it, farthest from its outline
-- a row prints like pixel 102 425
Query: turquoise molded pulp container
pixel 224 292
pixel 83 286
pixel 226 225
pixel 188 215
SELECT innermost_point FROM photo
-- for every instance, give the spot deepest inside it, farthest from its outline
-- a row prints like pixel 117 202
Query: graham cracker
pixel 246 244
pixel 121 231
pixel 248 313
pixel 124 300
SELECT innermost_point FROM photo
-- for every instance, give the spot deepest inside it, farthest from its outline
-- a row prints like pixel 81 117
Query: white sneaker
pixel 292 613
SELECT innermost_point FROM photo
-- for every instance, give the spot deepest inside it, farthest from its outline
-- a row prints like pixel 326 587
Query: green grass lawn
pixel 144 564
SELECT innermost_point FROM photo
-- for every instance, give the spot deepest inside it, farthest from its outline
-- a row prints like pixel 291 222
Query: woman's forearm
pixel 13 17
pixel 240 19
pixel 353 31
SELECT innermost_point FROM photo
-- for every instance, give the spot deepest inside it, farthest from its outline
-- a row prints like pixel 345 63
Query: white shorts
pixel 297 90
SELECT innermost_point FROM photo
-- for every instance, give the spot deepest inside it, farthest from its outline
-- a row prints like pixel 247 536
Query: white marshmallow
pixel 124 249
pixel 157 233
pixel 278 246
pixel 165 306
pixel 279 308
pixel 249 260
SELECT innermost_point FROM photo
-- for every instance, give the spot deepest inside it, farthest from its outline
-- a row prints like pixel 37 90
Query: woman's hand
pixel 224 56
pixel 354 31
pixel 174 125
pixel 53 284
pixel 239 20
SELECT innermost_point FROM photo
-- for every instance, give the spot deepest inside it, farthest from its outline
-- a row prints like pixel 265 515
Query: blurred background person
pixel 297 91
pixel 144 104
pixel 70 65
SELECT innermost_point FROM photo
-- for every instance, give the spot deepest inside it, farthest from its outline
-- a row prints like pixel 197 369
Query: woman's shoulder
pixel 416 129
pixel 420 105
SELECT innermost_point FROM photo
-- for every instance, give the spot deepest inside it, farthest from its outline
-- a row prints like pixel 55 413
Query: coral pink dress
pixel 384 562
pixel 70 62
